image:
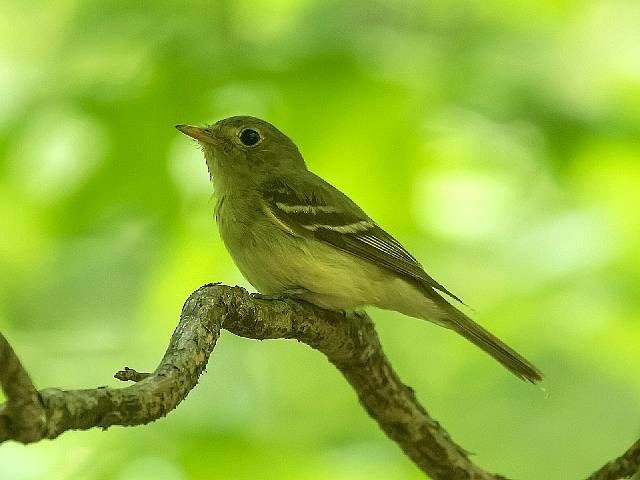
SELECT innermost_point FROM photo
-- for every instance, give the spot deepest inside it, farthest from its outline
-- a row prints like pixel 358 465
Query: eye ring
pixel 249 137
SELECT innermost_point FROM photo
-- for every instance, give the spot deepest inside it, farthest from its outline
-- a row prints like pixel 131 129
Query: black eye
pixel 249 137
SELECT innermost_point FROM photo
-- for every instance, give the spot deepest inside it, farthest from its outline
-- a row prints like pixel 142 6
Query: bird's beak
pixel 198 133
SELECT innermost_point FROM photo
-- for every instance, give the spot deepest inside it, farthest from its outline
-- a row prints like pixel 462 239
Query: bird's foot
pixel 290 294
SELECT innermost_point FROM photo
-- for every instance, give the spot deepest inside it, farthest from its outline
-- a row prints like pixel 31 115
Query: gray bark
pixel 350 342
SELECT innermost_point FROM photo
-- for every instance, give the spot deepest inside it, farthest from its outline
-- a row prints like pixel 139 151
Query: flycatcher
pixel 292 234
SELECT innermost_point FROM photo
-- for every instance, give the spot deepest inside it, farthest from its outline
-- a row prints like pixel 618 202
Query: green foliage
pixel 498 140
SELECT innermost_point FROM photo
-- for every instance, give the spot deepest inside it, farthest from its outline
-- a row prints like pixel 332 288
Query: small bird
pixel 292 234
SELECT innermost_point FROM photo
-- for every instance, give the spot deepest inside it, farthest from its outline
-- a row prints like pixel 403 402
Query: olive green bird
pixel 292 234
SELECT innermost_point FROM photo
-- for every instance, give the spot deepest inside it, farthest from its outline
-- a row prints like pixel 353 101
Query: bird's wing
pixel 313 208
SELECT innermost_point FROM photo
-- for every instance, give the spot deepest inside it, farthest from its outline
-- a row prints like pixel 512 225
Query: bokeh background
pixel 498 140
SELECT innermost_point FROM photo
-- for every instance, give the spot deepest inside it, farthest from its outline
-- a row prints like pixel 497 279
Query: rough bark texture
pixel 350 342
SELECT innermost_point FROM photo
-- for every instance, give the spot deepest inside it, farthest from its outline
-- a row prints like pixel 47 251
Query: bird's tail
pixel 513 361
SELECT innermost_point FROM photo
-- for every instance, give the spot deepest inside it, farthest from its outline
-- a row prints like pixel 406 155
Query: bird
pixel 292 234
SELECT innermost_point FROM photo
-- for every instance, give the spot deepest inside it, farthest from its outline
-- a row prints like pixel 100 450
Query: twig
pixel 130 375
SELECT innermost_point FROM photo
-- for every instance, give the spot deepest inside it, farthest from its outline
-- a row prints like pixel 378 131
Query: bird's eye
pixel 249 137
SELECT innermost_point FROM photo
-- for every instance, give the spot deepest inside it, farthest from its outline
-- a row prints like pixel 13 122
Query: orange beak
pixel 198 133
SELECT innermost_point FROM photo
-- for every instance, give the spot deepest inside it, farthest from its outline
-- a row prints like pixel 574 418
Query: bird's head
pixel 245 146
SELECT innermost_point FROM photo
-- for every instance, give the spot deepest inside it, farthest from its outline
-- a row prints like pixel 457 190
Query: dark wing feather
pixel 314 208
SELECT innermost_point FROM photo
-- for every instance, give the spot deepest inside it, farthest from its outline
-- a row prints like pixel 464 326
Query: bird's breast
pixel 251 241
pixel 274 261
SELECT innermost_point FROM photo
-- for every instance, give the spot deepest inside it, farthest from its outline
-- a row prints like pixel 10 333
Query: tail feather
pixel 492 345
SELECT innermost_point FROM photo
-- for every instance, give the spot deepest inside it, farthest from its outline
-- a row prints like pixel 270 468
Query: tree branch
pixel 625 466
pixel 22 416
pixel 349 341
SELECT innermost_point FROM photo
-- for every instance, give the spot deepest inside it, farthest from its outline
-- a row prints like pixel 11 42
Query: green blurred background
pixel 498 140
